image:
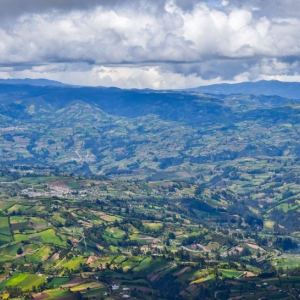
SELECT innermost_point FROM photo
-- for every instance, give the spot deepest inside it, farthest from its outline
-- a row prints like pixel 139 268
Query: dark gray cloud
pixel 15 8
pixel 274 8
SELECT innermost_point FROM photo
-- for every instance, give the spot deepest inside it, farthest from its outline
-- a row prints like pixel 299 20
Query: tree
pixel 172 236
pixel 14 291
pixel 78 296
pixel 199 191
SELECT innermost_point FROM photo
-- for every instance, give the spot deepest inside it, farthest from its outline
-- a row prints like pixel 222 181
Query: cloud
pixel 156 44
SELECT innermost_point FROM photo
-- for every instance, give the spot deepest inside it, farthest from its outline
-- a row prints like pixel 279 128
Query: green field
pixel 115 232
pixel 230 273
pixel 153 226
pixel 73 185
pixel 4 226
pixel 144 264
pixel 20 237
pixel 75 263
pixel 25 281
pixel 57 282
pixel 4 239
pixel 17 207
pixel 58 294
pixel 89 285
pixel 41 255
pixel 11 250
pixel 127 265
pixel 49 236
pixel 17 219
pixel 4 222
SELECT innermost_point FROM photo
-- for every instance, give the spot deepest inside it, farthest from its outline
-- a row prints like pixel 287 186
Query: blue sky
pixel 150 44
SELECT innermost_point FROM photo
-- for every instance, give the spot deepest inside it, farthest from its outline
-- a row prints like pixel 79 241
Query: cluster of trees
pixel 285 243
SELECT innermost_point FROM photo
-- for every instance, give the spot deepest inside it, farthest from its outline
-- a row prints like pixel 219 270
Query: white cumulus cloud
pixel 156 44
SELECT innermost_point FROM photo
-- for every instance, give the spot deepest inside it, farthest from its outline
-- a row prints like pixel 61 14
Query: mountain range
pixel 289 90
pixel 173 191
pixel 141 133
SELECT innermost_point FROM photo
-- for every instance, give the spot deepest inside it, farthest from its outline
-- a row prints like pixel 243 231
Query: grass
pixel 230 273
pixel 41 255
pixel 157 265
pixel 17 207
pixel 73 185
pixel 95 292
pixel 127 265
pixel 269 224
pixel 58 294
pixel 115 232
pixel 113 248
pixel 32 280
pixel 5 231
pixel 287 262
pixel 20 237
pixel 38 180
pixel 11 250
pixel 213 246
pixel 102 260
pixel 49 236
pixel 4 222
pixel 26 281
pixel 4 239
pixel 144 264
pixel 57 282
pixel 34 221
pixel 110 218
pixel 119 259
pixel 153 226
pixel 91 285
pixel 17 219
pixel 16 279
pixel 4 226
pixel 75 263
pixel 59 219
pixel 4 205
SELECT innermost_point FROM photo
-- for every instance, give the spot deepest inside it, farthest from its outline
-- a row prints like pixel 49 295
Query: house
pixel 115 287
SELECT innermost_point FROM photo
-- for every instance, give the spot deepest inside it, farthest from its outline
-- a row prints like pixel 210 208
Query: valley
pixel 89 236
pixel 112 194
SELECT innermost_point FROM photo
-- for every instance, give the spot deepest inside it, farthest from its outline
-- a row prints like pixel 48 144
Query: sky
pixel 159 44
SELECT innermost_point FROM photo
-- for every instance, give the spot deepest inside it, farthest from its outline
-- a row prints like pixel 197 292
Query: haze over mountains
pixel 28 81
pixel 264 87
pixel 273 87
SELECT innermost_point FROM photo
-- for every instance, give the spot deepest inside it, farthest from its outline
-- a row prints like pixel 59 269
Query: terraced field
pixel 75 246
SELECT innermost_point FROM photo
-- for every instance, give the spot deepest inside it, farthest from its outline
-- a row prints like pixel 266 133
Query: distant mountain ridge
pixel 289 90
pixel 35 82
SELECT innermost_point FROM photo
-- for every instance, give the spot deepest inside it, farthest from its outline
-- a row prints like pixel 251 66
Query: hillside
pixel 165 192
pixel 79 237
